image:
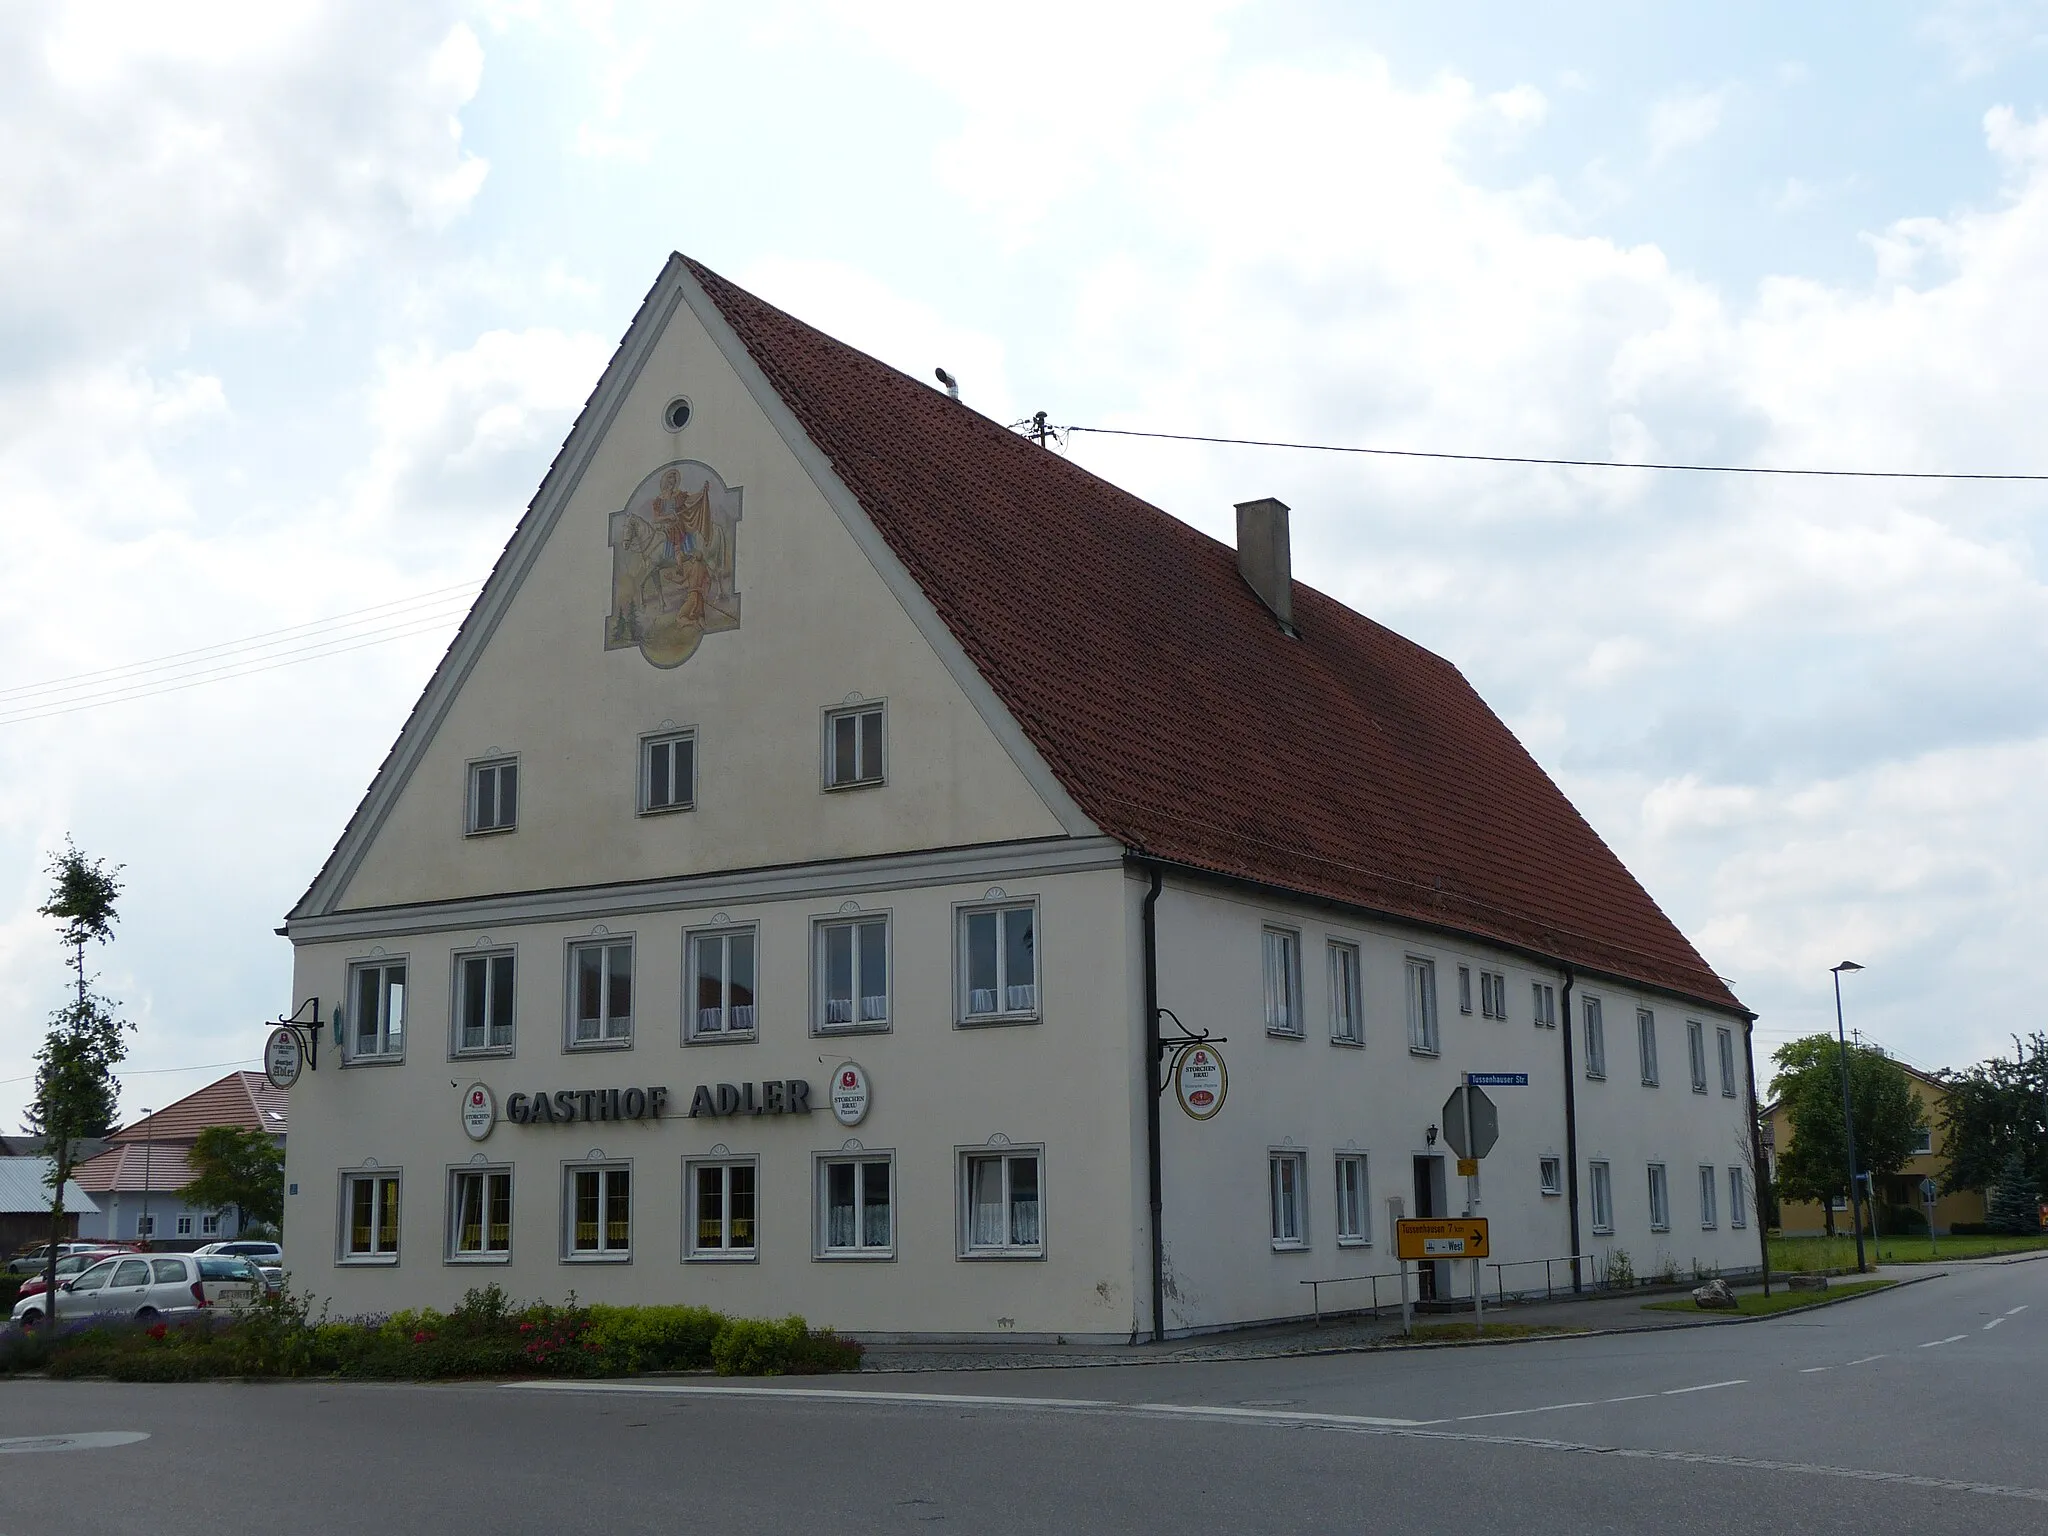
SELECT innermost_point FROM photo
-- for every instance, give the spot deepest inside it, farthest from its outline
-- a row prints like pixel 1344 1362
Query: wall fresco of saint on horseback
pixel 673 546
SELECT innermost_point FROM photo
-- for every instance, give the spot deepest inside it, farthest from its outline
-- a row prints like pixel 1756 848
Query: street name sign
pixel 1444 1237
pixel 1497 1079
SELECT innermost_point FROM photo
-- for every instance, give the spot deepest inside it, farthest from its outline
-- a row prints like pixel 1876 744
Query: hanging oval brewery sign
pixel 283 1056
pixel 849 1093
pixel 1200 1081
pixel 479 1111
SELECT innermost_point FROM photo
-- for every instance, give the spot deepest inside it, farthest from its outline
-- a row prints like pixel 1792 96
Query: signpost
pixel 1472 1126
pixel 1428 1239
pixel 1928 1191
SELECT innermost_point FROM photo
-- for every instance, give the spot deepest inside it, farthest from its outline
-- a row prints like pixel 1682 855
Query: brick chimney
pixel 1263 558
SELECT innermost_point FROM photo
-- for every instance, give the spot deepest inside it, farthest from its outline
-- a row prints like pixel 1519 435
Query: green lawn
pixel 1817 1253
pixel 1442 1331
pixel 1753 1304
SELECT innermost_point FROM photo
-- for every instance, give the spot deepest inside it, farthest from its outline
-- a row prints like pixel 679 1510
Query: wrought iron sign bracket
pixel 1173 1048
pixel 308 1030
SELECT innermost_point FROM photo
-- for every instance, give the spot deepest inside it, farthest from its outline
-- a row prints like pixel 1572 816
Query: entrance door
pixel 1434 1277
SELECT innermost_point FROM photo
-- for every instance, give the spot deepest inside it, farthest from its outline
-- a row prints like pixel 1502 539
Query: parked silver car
pixel 32 1261
pixel 167 1286
pixel 254 1250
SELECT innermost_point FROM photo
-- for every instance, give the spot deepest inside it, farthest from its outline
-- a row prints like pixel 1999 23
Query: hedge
pixel 487 1335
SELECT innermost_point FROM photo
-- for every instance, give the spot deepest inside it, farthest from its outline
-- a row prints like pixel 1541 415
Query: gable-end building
pixel 771 898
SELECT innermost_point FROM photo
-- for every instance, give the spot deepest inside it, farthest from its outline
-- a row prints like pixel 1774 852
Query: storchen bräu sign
pixel 569 1106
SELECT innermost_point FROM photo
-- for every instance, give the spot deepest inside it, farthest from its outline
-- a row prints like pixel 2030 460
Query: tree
pixel 242 1168
pixel 1997 1110
pixel 76 1095
pixel 1887 1114
pixel 2015 1203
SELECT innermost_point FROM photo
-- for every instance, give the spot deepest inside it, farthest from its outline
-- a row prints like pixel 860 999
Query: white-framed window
pixel 720 1223
pixel 1287 1178
pixel 1738 1199
pixel 1710 1188
pixel 1281 949
pixel 1838 1202
pixel 1724 1038
pixel 597 1212
pixel 493 795
pixel 1002 1204
pixel 668 773
pixel 1543 1005
pixel 853 973
pixel 484 993
pixel 1464 989
pixel 1923 1141
pixel 184 1226
pixel 601 993
pixel 479 1215
pixel 1696 1053
pixel 369 1218
pixel 1422 1032
pixel 1646 1045
pixel 856 1207
pixel 376 1028
pixel 1596 1039
pixel 723 965
pixel 145 1226
pixel 998 963
pixel 1354 1201
pixel 1493 995
pixel 1347 995
pixel 1660 1199
pixel 853 746
pixel 1601 1181
pixel 1550 1175
pixel 209 1225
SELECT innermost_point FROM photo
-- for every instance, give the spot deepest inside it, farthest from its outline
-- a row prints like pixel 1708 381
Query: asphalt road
pixel 1918 1410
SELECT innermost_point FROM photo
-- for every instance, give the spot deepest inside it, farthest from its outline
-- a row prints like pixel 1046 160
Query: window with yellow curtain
pixel 600 1213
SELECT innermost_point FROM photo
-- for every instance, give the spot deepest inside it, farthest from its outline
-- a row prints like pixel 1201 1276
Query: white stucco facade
pixel 1036 1122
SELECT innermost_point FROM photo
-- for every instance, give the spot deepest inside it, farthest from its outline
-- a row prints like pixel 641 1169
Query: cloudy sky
pixel 297 300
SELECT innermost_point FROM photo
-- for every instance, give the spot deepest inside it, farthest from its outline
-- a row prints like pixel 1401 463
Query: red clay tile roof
pixel 241 1098
pixel 137 1166
pixel 1349 764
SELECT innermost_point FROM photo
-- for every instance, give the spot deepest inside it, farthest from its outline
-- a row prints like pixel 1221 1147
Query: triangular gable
pixel 676 287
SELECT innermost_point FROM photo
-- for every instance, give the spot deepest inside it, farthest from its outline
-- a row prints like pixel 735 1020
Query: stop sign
pixel 1485 1129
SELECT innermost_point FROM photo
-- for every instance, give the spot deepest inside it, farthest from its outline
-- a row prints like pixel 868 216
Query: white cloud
pixel 1685 120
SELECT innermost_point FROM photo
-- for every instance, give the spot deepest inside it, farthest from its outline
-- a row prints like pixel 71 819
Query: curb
pixel 1397 1344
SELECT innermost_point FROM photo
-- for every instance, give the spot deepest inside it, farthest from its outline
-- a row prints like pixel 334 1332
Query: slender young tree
pixel 241 1168
pixel 76 1094
pixel 1888 1116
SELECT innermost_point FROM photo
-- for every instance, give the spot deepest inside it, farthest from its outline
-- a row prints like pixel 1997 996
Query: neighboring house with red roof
pixel 810 713
pixel 136 1180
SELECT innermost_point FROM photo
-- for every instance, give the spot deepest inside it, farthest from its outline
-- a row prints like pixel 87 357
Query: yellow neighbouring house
pixel 1799 1218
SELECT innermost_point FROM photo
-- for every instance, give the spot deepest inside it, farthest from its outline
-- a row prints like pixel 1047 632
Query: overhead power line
pixel 337 634
pixel 1517 458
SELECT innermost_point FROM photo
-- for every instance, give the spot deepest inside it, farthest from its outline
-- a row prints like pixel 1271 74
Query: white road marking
pixel 1706 1387
pixel 1509 1413
pixel 1867 1359
pixel 81 1440
pixel 1937 1343
pixel 2009 1311
pixel 1344 1422
pixel 1992 1324
pixel 1640 1397
pixel 1808 1370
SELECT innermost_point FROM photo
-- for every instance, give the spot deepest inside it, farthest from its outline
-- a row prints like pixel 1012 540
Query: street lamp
pixel 1848 1119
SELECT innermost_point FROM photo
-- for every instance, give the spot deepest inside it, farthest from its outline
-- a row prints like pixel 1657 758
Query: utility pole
pixel 1848 1115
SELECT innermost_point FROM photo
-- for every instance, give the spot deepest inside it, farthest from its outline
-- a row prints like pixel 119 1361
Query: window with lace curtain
pixel 1001 1205
pixel 999 963
pixel 1282 951
pixel 480 1215
pixel 853 974
pixel 721 987
pixel 856 1210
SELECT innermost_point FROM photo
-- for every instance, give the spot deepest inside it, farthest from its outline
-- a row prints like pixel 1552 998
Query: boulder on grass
pixel 1807 1282
pixel 1715 1296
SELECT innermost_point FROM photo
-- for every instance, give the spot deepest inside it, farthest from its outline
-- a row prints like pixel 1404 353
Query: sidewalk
pixel 1629 1313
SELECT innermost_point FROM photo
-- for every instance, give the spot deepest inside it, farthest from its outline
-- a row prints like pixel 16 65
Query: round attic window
pixel 677 416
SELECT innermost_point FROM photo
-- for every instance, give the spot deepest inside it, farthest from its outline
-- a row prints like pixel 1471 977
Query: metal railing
pixel 1315 1291
pixel 1574 1276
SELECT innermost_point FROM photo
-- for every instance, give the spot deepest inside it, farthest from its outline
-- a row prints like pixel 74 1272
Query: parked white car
pixel 254 1250
pixel 167 1286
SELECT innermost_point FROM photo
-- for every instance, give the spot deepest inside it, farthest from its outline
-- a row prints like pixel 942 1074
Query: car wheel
pixel 146 1315
pixel 30 1318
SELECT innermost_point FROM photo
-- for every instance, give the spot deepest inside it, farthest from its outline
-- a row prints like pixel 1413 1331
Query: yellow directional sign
pixel 1441 1237
pixel 1468 1167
